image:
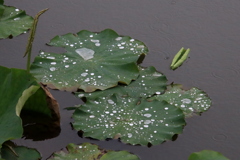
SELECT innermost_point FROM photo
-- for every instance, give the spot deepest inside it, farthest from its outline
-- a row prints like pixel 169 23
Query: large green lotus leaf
pixel 120 155
pixel 16 86
pixel 92 61
pixel 148 83
pixel 134 121
pixel 207 155
pixel 10 151
pixel 190 101
pixel 13 21
pixel 86 151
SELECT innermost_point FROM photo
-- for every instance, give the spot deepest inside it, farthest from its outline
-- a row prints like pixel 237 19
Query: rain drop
pixel 129 135
pixel 52 69
pixel 118 38
pixel 85 53
pixel 147 115
pixel 186 100
pixel 84 74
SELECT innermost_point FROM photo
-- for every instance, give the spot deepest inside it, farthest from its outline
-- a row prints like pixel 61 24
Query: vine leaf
pixel 148 83
pixel 189 101
pixel 13 21
pixel 13 152
pixel 134 121
pixel 207 155
pixel 92 61
pixel 87 151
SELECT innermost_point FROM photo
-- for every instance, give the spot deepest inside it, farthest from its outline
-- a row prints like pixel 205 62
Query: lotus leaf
pixel 207 155
pixel 10 151
pixel 13 21
pixel 134 121
pixel 19 90
pixel 92 61
pixel 148 83
pixel 120 155
pixel 87 151
pixel 16 86
pixel 190 101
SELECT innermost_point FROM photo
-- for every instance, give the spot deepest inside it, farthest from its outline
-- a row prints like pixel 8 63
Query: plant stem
pixel 31 38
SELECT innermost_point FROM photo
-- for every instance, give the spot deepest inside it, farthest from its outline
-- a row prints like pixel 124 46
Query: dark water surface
pixel 210 28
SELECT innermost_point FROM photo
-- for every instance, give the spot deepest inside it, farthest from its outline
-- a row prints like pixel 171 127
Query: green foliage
pixel 207 155
pixel 148 83
pixel 20 91
pixel 134 121
pixel 87 151
pixel 92 61
pixel 13 21
pixel 120 155
pixel 16 86
pixel 10 151
pixel 189 101
pixel 179 58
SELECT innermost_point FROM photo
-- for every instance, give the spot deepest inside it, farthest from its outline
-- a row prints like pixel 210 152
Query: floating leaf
pixel 148 83
pixel 207 155
pixel 92 61
pixel 190 101
pixel 87 151
pixel 13 21
pixel 179 58
pixel 10 151
pixel 120 155
pixel 16 86
pixel 135 122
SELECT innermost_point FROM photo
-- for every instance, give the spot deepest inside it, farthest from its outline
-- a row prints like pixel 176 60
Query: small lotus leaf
pixel 13 21
pixel 148 83
pixel 119 155
pixel 190 101
pixel 10 151
pixel 86 151
pixel 134 121
pixel 92 61
pixel 207 155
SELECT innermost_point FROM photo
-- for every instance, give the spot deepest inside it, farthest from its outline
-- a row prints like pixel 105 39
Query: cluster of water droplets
pixel 111 116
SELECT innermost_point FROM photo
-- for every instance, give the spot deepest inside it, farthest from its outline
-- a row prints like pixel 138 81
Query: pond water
pixel 210 28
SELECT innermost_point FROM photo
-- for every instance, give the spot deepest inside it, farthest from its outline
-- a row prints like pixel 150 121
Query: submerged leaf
pixel 13 21
pixel 92 61
pixel 179 58
pixel 207 155
pixel 189 101
pixel 10 151
pixel 148 83
pixel 135 122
